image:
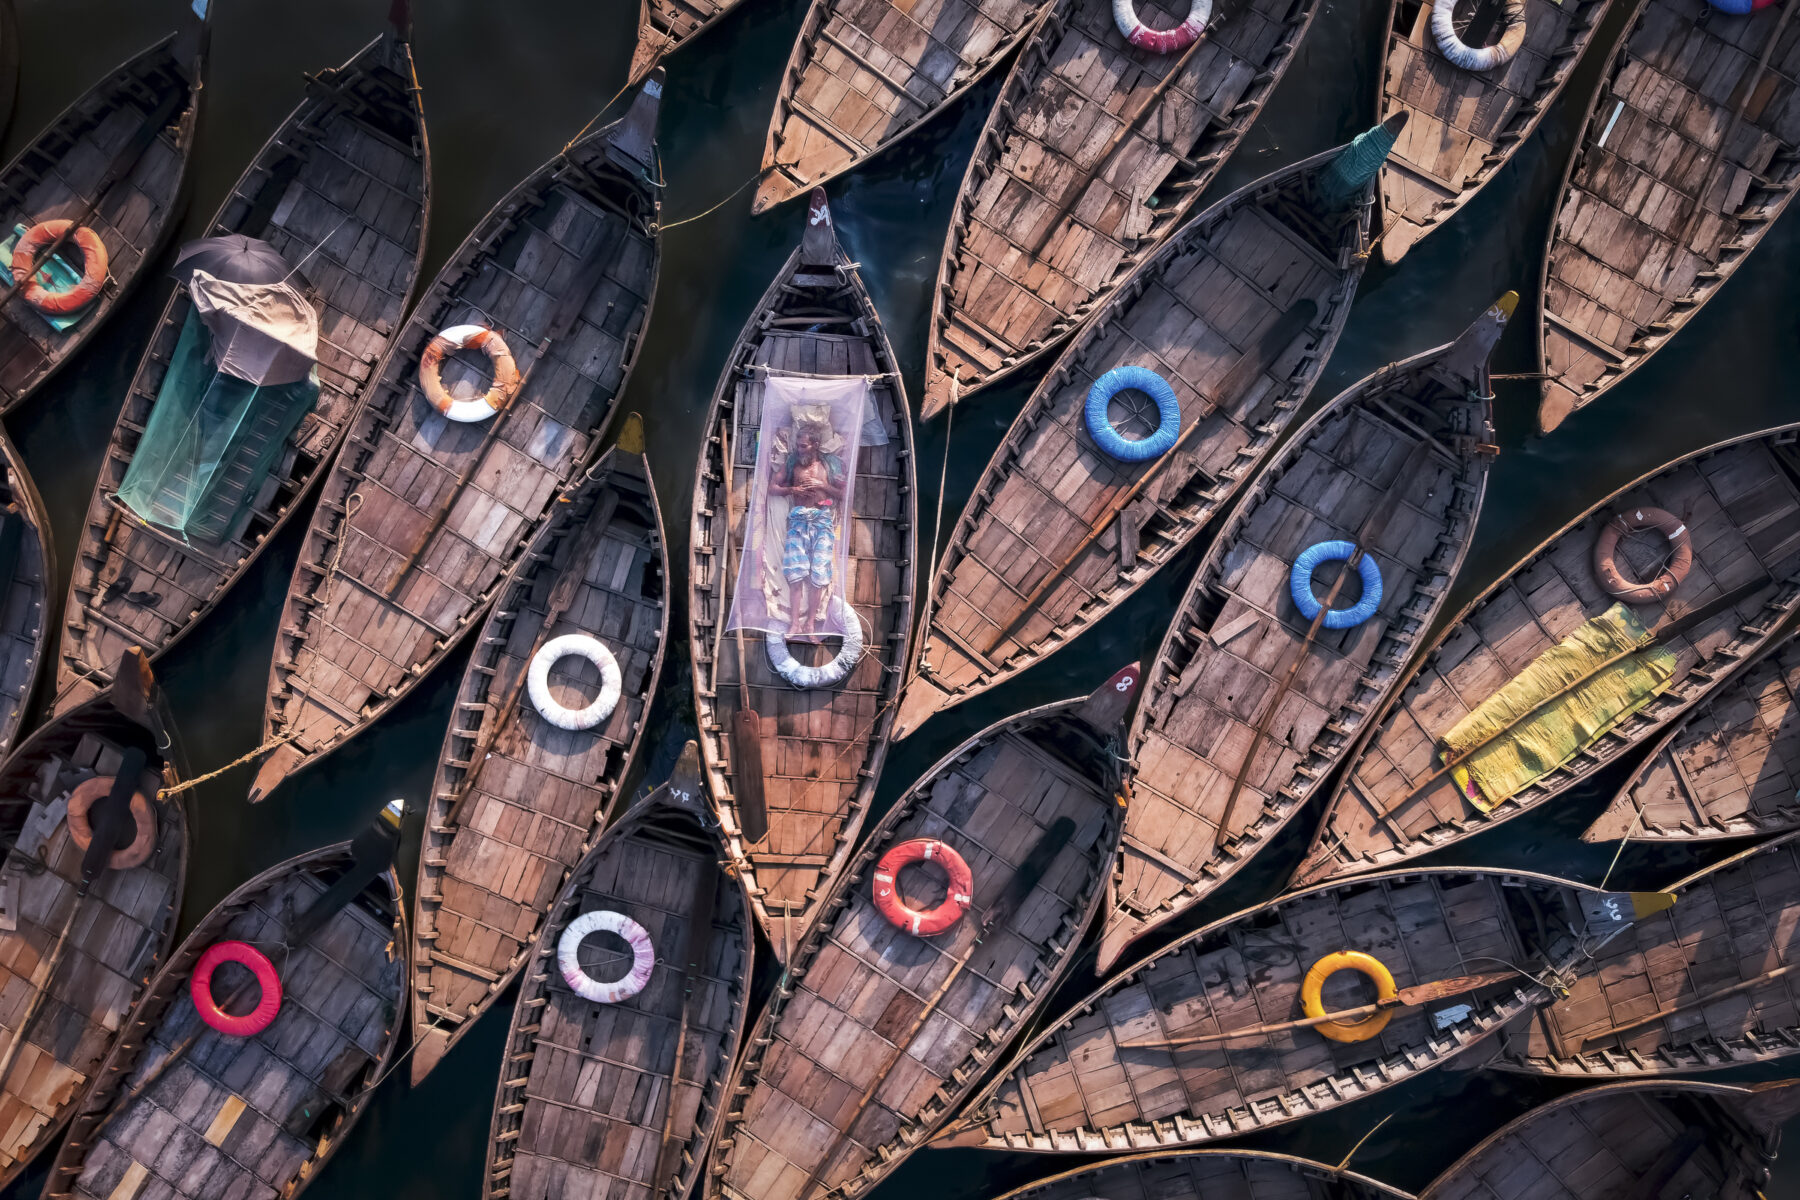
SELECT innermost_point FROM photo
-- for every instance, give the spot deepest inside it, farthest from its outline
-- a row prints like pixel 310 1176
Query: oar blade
pixel 747 759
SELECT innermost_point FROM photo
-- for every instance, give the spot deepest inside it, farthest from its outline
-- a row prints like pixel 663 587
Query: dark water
pixel 505 86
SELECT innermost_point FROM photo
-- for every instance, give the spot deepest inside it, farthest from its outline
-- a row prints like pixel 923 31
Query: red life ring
pixel 958 895
pixel 143 841
pixel 1675 569
pixel 244 954
pixel 33 242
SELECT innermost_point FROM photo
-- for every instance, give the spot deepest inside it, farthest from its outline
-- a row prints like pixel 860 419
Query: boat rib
pixel 1657 209
pixel 1740 504
pixel 1250 707
pixel 518 798
pixel 123 146
pixel 27 572
pixel 1237 313
pixel 1065 195
pixel 342 192
pixel 1207 1175
pixel 822 748
pixel 1466 125
pixel 421 517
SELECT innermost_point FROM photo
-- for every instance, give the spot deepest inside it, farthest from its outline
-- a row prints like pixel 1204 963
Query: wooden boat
pixel 183 1109
pixel 665 26
pixel 1657 213
pixel 1205 1175
pixel 1711 982
pixel 1467 124
pixel 822 748
pixel 864 75
pixel 1237 313
pixel 1113 1074
pixel 1620 1141
pixel 585 1093
pixel 1095 152
pixel 421 516
pixel 519 799
pixel 1252 702
pixel 1739 502
pixel 73 981
pixel 878 1033
pixel 1730 768
pixel 115 162
pixel 342 191
pixel 28 569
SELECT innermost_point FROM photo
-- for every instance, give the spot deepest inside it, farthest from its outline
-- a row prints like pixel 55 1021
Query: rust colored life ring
pixel 1606 546
pixel 468 337
pixel 1313 988
pixel 959 893
pixel 51 302
pixel 143 816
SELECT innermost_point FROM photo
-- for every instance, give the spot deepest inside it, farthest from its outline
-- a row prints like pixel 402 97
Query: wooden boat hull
pixel 867 1007
pixel 570 1061
pixel 135 221
pixel 1248 707
pixel 1725 770
pixel 1632 256
pixel 822 748
pixel 518 801
pixel 421 517
pixel 665 26
pixel 110 958
pixel 1466 125
pixel 1002 299
pixel 1205 1174
pixel 1740 501
pixel 999 603
pixel 345 179
pixel 310 1078
pixel 28 565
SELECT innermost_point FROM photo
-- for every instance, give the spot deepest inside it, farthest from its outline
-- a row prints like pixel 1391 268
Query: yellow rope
pixel 165 793
pixel 760 172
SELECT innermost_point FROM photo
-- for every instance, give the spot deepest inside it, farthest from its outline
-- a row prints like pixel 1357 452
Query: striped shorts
pixel 811 545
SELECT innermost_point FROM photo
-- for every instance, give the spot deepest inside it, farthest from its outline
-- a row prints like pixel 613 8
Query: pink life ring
pixel 1162 41
pixel 246 955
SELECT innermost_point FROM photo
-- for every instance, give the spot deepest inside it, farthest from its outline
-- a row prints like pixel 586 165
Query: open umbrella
pixel 234 258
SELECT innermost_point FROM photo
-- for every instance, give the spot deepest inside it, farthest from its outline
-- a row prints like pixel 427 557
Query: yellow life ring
pixel 1311 994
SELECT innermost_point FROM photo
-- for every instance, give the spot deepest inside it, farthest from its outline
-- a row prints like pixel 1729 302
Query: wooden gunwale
pixel 34 584
pixel 594 772
pixel 1323 860
pixel 1128 1177
pixel 313 445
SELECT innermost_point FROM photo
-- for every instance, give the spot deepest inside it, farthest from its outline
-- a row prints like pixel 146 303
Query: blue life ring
pixel 1300 584
pixel 1099 420
pixel 1739 8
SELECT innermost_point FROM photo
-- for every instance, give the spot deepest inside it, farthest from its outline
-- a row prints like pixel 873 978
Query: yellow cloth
pixel 1547 737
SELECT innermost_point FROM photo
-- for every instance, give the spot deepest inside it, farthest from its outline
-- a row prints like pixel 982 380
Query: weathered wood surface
pixel 111 953
pixel 665 26
pixel 1224 754
pixel 254 1116
pixel 1044 231
pixel 1466 125
pixel 59 173
pixel 584 1106
pixel 1730 768
pixel 421 517
pixel 519 800
pixel 865 73
pixel 1212 312
pixel 1657 211
pixel 822 748
pixel 1208 1175
pixel 1732 924
pixel 841 1081
pixel 27 572
pixel 342 191
pixel 1077 1089
pixel 1622 1141
pixel 1740 501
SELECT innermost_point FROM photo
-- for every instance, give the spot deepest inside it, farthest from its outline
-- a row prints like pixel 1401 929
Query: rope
pixel 1617 854
pixel 240 760
pixel 337 551
pixel 1359 1142
pixel 760 172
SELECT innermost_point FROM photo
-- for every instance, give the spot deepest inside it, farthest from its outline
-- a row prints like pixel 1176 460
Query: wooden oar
pixel 1670 1010
pixel 746 723
pixel 1412 997
pixel 696 952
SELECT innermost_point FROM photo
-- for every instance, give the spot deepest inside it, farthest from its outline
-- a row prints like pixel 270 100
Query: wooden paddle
pixel 746 723
pixel 1670 1010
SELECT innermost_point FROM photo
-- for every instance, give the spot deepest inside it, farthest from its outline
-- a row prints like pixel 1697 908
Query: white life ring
pixel 537 681
pixel 1484 58
pixel 643 956
pixel 464 337
pixel 1162 41
pixel 833 672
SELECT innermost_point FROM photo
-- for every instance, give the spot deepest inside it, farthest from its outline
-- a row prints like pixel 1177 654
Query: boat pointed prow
pixel 921 700
pixel 400 17
pixel 1473 347
pixel 957 1136
pixel 1110 703
pixel 1118 934
pixel 818 243
pixel 1317 867
pixel 429 1049
pixel 281 763
pixel 635 134
pixel 684 788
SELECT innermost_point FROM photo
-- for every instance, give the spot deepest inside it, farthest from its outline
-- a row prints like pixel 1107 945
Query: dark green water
pixel 505 87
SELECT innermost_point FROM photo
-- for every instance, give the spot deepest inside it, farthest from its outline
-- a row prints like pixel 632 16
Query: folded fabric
pixel 56 274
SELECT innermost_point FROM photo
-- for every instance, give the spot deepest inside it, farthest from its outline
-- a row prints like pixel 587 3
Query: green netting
pixel 210 444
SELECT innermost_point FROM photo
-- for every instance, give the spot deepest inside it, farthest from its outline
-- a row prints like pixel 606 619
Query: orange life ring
pixel 468 337
pixel 959 892
pixel 1680 561
pixel 1313 1001
pixel 33 242
pixel 143 816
